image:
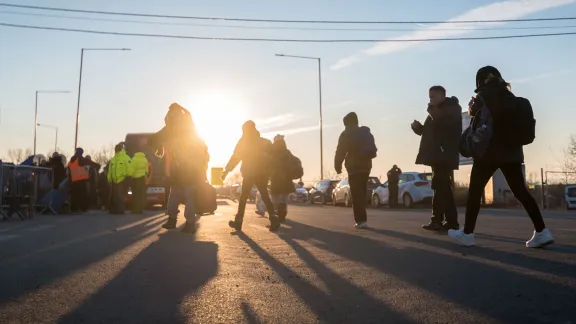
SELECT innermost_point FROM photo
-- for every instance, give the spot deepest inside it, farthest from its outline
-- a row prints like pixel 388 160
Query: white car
pixel 570 197
pixel 413 187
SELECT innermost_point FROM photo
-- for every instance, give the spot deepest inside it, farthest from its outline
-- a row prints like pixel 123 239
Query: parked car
pixel 300 195
pixel 413 188
pixel 342 195
pixel 322 191
pixel 570 197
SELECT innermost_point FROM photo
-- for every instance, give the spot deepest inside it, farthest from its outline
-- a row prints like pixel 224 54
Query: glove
pixel 224 175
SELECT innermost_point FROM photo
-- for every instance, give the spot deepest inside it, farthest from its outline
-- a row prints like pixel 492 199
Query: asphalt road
pixel 99 268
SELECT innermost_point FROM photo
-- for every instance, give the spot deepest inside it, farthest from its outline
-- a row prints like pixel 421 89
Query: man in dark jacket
pixel 281 184
pixel 356 148
pixel 439 149
pixel 255 153
pixel 393 179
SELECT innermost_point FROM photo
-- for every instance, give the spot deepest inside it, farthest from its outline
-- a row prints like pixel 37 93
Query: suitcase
pixel 206 199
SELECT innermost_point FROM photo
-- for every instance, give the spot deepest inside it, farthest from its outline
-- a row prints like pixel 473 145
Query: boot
pixel 170 223
pixel 282 212
pixel 274 223
pixel 236 223
pixel 189 228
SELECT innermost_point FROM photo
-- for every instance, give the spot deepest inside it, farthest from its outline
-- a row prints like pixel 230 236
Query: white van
pixel 570 197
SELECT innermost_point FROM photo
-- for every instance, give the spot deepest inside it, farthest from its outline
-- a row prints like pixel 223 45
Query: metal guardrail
pixel 21 187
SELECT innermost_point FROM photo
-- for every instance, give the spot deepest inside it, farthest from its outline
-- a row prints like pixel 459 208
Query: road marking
pixel 40 227
pixel 7 237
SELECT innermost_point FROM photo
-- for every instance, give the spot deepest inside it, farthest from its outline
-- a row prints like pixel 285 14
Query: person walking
pixel 281 184
pixel 356 149
pixel 440 136
pixel 393 179
pixel 79 182
pixel 119 172
pixel 255 153
pixel 186 164
pixel 510 121
pixel 141 169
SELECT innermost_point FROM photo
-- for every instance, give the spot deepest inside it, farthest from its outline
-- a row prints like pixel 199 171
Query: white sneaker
pixel 361 225
pixel 541 239
pixel 459 236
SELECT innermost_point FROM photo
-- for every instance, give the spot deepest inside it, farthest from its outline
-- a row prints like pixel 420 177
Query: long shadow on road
pixel 495 292
pixel 153 286
pixel 37 269
pixel 345 303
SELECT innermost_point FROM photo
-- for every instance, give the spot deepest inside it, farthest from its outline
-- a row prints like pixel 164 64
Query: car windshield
pixel 425 176
pixel 571 192
pixel 374 181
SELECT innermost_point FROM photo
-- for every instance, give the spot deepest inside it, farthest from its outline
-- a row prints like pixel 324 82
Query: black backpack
pixel 521 125
pixel 296 170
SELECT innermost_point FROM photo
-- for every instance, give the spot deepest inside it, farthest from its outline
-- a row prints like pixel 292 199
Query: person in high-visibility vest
pixel 79 182
pixel 140 164
pixel 119 172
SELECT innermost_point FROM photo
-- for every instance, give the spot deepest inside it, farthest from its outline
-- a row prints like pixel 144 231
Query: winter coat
pixel 281 180
pixel 58 169
pixel 120 167
pixel 394 176
pixel 140 164
pixel 497 153
pixel 187 161
pixel 440 135
pixel 255 153
pixel 347 152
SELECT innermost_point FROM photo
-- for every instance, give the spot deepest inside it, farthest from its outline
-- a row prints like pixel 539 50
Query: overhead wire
pixel 100 12
pixel 276 27
pixel 282 39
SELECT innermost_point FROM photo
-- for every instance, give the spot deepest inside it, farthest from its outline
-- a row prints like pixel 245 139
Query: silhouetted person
pixel 356 148
pixel 78 182
pixel 58 169
pixel 440 136
pixel 512 120
pixel 255 153
pixel 393 179
pixel 281 185
pixel 119 172
pixel 141 169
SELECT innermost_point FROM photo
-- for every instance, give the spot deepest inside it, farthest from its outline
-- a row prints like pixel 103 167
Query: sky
pixel 225 83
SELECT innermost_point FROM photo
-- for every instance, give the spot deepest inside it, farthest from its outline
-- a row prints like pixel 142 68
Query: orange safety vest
pixel 77 172
pixel 149 177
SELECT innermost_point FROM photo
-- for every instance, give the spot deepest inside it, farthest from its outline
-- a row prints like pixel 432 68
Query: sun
pixel 218 118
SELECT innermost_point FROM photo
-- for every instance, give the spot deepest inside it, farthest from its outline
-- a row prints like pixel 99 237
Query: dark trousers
pixel 443 205
pixel 392 195
pixel 79 196
pixel 359 190
pixel 138 194
pixel 118 193
pixel 479 177
pixel 261 183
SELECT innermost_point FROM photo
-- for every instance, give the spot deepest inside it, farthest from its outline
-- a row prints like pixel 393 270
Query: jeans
pixel 479 177
pixel 182 194
pixel 261 183
pixel 359 191
pixel 443 205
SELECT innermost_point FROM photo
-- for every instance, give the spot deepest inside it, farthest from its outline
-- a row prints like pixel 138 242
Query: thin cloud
pixel 272 122
pixel 541 76
pixel 511 9
pixel 297 130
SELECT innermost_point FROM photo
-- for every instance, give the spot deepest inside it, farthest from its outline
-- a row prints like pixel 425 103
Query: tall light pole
pixel 56 129
pixel 36 111
pixel 80 84
pixel 320 102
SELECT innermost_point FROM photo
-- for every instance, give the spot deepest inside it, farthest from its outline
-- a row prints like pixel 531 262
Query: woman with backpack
pixel 506 124
pixel 283 166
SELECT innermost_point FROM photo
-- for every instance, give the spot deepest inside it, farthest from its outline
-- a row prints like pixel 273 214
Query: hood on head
pixel 351 119
pixel 451 101
pixel 79 151
pixel 249 129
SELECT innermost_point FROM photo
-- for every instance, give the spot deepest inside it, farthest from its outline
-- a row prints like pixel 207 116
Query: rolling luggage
pixel 205 199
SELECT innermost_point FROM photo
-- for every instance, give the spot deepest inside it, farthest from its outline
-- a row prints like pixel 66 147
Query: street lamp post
pixel 54 128
pixel 80 84
pixel 320 104
pixel 36 111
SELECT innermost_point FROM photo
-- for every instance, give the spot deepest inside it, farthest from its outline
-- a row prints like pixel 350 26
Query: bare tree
pixel 18 155
pixel 568 160
pixel 104 155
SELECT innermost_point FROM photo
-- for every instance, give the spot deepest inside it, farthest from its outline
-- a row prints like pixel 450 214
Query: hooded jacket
pixel 348 151
pixel 441 135
pixel 254 152
pixel 120 167
pixel 140 164
pixel 280 180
